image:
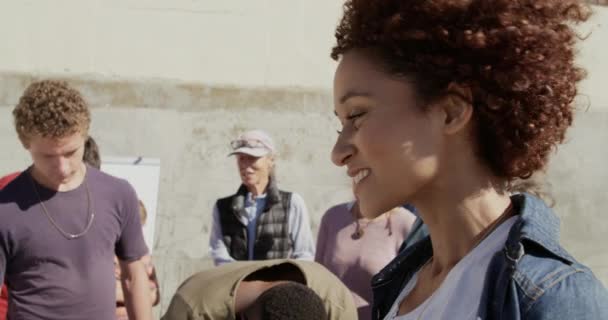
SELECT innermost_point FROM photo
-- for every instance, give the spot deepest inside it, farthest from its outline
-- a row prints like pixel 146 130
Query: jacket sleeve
pixel 578 296
pixel 299 229
pixel 217 247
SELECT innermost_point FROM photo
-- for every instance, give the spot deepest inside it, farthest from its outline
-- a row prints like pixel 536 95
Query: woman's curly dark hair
pixel 516 57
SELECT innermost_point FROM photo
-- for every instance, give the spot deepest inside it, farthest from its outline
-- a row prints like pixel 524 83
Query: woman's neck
pixel 357 215
pixel 458 220
pixel 258 189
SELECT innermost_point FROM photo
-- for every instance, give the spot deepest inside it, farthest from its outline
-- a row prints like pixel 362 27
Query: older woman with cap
pixel 260 221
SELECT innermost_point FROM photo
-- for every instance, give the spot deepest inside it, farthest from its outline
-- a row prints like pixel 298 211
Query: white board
pixel 144 175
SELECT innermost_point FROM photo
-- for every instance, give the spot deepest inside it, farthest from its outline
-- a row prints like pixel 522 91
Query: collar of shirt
pixel 254 206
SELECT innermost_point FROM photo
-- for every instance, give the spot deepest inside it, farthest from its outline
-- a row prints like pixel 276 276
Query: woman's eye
pixel 353 118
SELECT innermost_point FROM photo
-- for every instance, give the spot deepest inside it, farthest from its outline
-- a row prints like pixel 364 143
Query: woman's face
pixel 389 144
pixel 254 171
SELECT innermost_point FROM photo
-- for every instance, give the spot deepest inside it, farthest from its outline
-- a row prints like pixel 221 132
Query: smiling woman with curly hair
pixel 445 104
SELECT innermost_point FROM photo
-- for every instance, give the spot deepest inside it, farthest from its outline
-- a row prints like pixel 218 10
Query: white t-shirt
pixel 459 294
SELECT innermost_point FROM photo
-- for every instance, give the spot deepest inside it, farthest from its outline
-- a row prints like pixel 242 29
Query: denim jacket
pixel 532 278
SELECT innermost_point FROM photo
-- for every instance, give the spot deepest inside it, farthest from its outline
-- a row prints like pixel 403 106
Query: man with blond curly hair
pixel 63 221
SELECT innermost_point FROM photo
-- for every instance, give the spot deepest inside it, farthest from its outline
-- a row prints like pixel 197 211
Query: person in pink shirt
pixel 356 248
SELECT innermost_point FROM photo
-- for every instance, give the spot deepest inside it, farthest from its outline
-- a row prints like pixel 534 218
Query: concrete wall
pixel 598 2
pixel 178 80
pixel 592 55
pixel 188 128
pixel 241 42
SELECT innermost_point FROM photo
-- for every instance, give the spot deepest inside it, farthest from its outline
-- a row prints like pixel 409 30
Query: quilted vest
pixel 272 230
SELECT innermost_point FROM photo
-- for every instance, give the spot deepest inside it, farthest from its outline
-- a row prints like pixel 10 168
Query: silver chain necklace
pixel 69 236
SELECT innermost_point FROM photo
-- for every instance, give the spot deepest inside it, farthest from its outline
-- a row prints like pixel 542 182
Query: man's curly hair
pixel 516 57
pixel 291 301
pixel 51 109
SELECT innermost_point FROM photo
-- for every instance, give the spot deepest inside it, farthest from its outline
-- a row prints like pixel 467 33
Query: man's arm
pixel 152 282
pixel 3 263
pixel 4 293
pixel 154 288
pixel 299 229
pixel 217 247
pixel 152 279
pixel 136 290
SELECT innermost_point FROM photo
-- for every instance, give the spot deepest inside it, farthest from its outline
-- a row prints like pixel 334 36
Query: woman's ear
pixel 457 107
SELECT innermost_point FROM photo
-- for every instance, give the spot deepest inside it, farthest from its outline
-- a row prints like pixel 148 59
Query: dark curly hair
pixel 291 301
pixel 51 109
pixel 516 57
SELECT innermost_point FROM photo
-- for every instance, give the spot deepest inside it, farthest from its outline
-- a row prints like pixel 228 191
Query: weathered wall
pixel 179 81
pixel 189 128
pixel 243 42
pixel 598 2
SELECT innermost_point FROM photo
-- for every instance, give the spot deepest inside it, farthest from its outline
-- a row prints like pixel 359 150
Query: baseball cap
pixel 255 143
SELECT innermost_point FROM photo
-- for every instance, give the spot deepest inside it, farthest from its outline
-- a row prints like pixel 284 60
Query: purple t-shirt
pixel 51 277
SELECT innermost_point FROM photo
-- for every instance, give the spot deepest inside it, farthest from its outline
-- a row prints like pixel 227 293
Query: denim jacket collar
pixel 536 223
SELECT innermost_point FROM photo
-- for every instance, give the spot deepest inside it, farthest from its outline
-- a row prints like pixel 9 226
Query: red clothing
pixel 8 178
pixel 4 295
pixel 3 303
